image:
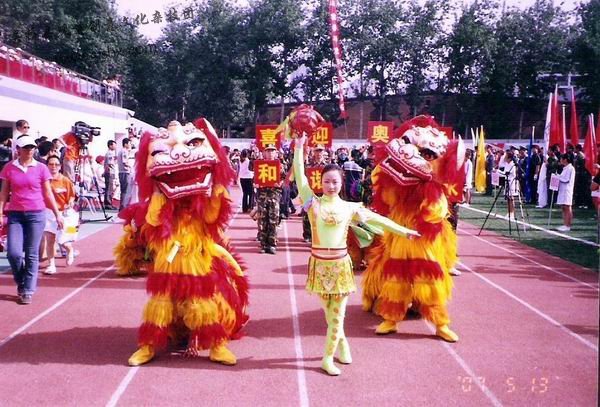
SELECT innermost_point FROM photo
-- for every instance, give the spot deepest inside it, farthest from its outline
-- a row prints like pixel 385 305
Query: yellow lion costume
pixel 198 291
pixel 405 272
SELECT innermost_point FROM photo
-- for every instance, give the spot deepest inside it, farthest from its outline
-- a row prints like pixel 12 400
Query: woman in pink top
pixel 27 182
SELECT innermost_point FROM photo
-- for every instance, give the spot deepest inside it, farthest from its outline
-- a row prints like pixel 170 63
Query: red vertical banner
pixel 574 128
pixel 323 136
pixel 449 132
pixel 337 53
pixel 267 173
pixel 313 174
pixel 267 134
pixel 379 132
pixel 590 146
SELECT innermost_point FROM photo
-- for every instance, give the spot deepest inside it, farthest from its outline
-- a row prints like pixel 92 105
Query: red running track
pixel 528 325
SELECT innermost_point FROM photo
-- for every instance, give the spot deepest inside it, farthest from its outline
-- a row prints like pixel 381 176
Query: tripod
pixel 80 165
pixel 510 198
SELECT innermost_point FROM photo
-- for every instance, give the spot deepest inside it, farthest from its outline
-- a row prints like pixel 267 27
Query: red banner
pixel 314 179
pixel 267 134
pixel 323 136
pixel 449 131
pixel 380 132
pixel 267 173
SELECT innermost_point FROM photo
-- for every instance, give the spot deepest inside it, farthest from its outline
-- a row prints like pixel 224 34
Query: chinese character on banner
pixel 380 132
pixel 314 179
pixel 449 131
pixel 267 134
pixel 267 173
pixel 323 136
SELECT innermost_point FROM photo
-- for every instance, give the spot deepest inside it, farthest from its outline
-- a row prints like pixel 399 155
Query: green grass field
pixel 585 226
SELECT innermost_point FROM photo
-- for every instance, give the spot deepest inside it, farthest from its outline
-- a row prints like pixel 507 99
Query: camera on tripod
pixel 84 132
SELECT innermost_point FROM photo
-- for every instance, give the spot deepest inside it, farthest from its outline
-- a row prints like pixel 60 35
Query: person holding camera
pixel 72 153
pixel 28 184
pixel 110 174
pixel 509 171
pixel 125 173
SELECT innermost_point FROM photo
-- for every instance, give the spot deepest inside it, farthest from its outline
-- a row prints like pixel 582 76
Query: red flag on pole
pixel 563 133
pixel 574 130
pixel 589 147
pixel 555 127
pixel 557 135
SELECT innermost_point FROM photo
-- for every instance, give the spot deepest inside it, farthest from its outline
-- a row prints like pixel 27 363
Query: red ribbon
pixel 337 53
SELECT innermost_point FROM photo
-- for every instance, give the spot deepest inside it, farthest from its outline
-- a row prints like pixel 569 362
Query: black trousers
pixel 247 194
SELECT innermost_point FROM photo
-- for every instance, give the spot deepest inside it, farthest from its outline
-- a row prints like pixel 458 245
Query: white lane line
pixel 122 387
pixel 302 389
pixel 533 309
pixel 532 261
pixel 551 232
pixel 116 396
pixel 476 379
pixel 53 307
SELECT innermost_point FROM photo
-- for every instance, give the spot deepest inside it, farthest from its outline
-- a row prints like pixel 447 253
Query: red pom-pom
pixel 305 119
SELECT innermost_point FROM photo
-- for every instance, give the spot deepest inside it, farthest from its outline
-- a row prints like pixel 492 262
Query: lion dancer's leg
pixel 203 318
pixel 433 308
pixel 394 300
pixel 335 311
pixel 153 334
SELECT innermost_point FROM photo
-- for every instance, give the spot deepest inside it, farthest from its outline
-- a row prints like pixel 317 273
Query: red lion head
pixel 189 166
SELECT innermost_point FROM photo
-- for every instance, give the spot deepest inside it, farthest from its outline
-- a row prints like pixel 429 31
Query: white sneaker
pixel 70 257
pixel 563 228
pixel 51 269
pixel 454 272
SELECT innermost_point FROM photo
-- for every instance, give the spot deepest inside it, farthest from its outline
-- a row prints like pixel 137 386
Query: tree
pixel 86 36
pixel 424 38
pixel 470 45
pixel 586 53
pixel 376 41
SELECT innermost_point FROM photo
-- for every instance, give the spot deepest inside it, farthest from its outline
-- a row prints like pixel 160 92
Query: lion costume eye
pixel 195 142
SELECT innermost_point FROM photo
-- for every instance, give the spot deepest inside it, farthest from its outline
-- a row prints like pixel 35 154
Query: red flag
pixel 555 127
pixel 557 135
pixel 574 130
pixel 589 147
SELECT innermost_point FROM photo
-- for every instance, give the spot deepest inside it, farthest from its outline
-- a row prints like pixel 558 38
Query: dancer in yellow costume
pixel 330 267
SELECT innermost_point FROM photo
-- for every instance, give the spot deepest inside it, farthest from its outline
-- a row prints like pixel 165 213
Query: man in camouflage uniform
pixel 316 159
pixel 267 203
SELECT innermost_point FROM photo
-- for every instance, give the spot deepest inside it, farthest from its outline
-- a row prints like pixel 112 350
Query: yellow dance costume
pixel 330 272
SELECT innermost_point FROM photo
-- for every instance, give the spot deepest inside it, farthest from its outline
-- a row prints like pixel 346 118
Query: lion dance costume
pixel 415 177
pixel 198 292
pixel 330 274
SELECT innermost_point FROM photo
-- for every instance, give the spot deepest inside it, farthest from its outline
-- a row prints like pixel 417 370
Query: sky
pixel 153 30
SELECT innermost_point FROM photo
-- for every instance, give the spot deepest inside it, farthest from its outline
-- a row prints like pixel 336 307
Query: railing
pixel 18 64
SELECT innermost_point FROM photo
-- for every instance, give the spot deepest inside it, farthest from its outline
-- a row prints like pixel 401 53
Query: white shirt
pixel 245 170
pixel 469 174
pixel 566 186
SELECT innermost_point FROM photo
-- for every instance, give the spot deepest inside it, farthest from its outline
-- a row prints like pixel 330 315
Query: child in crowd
pixel 64 195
